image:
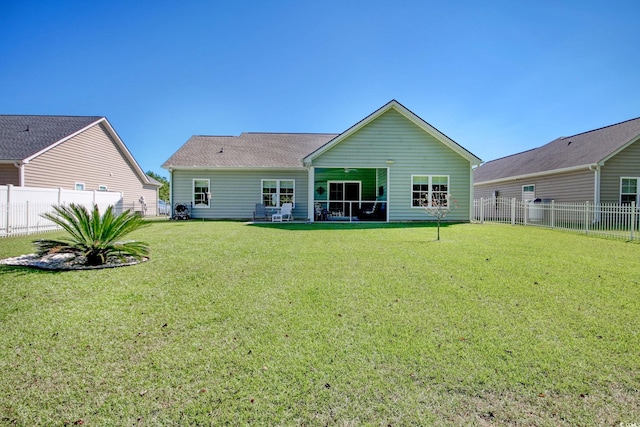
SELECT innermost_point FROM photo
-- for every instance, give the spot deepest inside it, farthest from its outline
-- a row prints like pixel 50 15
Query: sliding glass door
pixel 343 197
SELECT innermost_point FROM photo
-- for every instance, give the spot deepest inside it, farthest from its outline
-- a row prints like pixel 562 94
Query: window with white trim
pixel 429 188
pixel 275 192
pixel 201 193
pixel 528 192
pixel 79 186
pixel 628 190
pixel 103 188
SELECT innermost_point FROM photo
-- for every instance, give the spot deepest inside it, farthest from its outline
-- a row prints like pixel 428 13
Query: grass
pixel 364 324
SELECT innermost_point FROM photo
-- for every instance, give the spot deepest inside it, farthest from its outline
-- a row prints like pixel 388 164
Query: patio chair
pixel 320 213
pixel 284 214
pixel 260 212
pixel 371 212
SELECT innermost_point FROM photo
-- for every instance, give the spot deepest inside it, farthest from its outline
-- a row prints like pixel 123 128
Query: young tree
pixel 439 207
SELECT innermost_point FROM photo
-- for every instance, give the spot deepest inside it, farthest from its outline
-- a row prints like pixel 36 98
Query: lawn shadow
pixel 299 226
pixel 26 269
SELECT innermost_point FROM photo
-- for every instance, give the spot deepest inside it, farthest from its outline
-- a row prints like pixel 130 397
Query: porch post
pixel 311 194
pixel 387 196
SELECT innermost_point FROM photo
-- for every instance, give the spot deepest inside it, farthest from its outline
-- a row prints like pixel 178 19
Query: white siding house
pixel 376 169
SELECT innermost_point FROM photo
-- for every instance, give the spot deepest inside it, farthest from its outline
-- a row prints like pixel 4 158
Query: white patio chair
pixel 285 213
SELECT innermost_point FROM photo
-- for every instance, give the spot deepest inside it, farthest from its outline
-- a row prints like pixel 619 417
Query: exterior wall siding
pixel 624 164
pixel 413 152
pixel 94 159
pixel 234 193
pixel 576 186
pixel 9 174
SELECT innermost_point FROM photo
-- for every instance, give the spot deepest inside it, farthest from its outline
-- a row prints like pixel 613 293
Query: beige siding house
pixel 380 169
pixel 598 166
pixel 72 152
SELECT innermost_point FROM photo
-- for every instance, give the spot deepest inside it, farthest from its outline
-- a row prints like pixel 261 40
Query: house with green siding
pixel 380 169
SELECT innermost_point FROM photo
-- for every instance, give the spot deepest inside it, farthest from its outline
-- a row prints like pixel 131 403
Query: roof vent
pixel 569 143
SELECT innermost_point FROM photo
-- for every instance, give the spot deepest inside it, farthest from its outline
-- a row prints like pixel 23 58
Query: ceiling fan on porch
pixel 347 170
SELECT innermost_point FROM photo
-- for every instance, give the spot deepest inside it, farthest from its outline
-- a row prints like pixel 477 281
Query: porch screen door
pixel 343 195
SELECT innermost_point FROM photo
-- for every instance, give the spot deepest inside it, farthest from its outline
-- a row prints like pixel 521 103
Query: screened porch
pixel 350 194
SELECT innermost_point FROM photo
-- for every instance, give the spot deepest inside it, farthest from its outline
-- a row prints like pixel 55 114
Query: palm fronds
pixel 93 235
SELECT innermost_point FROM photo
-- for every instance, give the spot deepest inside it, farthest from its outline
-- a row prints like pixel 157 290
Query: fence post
pixel 59 196
pixel 586 217
pixel 552 214
pixel 9 191
pixel 481 210
pixel 28 214
pixel 633 220
pixel 513 211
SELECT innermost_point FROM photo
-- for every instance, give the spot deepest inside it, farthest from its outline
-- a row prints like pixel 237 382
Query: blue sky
pixel 498 77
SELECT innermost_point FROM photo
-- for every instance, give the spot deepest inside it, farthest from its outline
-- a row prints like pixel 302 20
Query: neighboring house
pixel 72 152
pixel 598 166
pixel 379 169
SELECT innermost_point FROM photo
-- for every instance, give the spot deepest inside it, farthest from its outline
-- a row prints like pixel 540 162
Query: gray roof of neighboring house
pixel 248 150
pixel 583 149
pixel 23 136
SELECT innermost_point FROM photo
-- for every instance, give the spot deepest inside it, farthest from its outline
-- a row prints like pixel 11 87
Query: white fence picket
pixel 608 220
pixel 21 208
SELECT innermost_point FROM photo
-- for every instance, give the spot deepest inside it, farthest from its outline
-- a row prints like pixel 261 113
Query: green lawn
pixel 340 325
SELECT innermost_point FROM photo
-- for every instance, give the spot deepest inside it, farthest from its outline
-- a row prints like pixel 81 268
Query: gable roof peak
pixel 22 136
pixel 408 114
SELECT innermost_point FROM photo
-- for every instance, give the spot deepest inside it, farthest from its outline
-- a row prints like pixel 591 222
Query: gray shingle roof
pixel 23 136
pixel 586 148
pixel 249 150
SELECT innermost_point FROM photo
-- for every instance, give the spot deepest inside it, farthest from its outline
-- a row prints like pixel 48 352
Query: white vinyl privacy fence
pixel 21 208
pixel 607 220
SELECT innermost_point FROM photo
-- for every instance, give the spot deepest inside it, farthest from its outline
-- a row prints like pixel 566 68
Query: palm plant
pixel 94 236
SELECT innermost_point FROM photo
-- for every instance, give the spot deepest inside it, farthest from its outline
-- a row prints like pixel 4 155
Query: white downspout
pixel 596 190
pixel 596 183
pixel 20 166
pixel 471 190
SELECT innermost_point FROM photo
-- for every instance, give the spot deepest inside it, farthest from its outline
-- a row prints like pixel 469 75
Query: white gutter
pixel 234 168
pixel 538 174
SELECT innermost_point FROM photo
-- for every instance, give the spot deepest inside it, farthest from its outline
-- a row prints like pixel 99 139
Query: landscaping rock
pixel 67 262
